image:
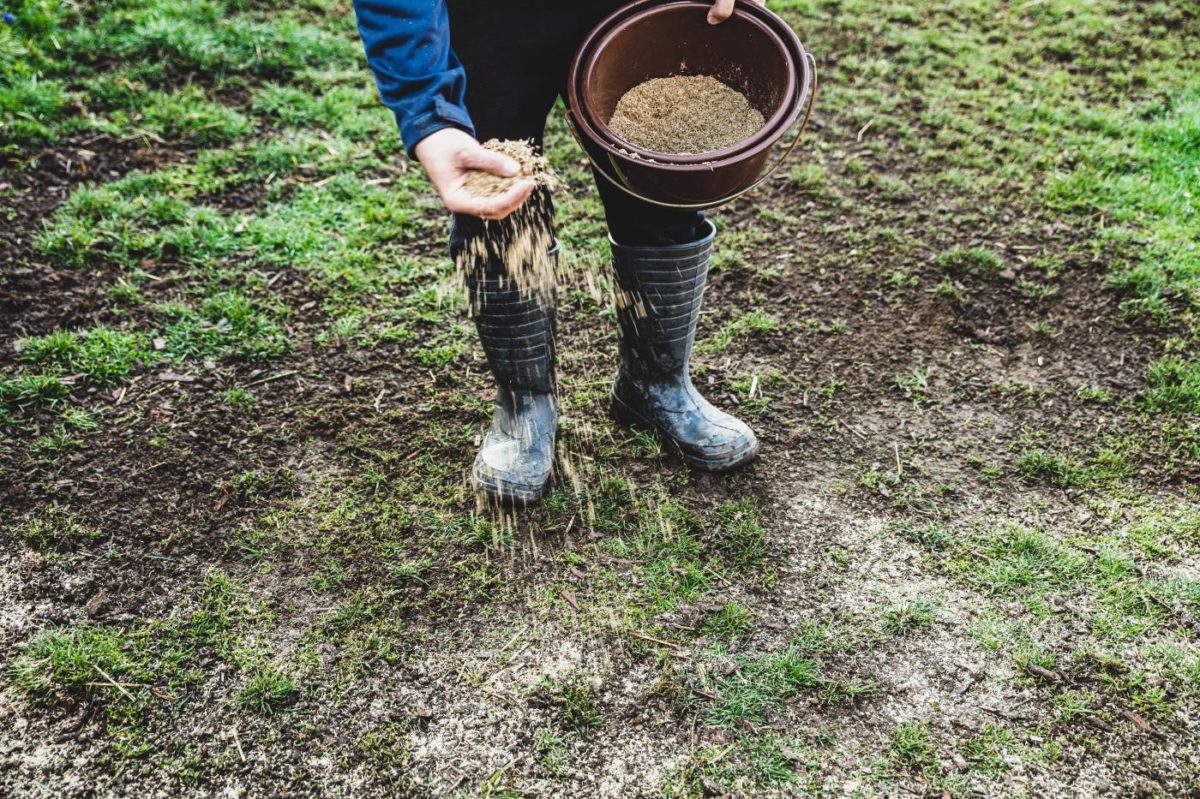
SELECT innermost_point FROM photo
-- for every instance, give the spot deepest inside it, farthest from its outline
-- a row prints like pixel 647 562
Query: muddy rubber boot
pixel 517 332
pixel 658 306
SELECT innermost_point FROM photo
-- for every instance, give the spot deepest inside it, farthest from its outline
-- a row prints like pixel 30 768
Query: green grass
pixel 70 663
pixel 761 684
pixel 574 702
pixel 746 767
pixel 913 747
pixel 56 529
pixel 31 390
pixel 1174 385
pixel 188 116
pixel 1141 172
pixel 745 323
pixel 1063 470
pixel 103 354
pixel 741 535
pixel 909 616
pixel 978 260
pixel 268 689
pixel 1019 558
pixel 67 662
pixel 1086 109
pixel 729 623
pixel 551 752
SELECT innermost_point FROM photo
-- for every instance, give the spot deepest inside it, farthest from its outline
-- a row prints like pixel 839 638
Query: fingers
pixel 487 161
pixel 721 10
pixel 492 208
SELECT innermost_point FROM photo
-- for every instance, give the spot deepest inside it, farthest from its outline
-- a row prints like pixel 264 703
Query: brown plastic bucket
pixel 760 55
pixel 676 39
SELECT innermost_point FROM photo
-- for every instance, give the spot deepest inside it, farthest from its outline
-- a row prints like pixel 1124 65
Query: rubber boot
pixel 517 332
pixel 658 306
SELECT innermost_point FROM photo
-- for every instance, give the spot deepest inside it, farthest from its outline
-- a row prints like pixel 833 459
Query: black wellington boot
pixel 516 329
pixel 658 305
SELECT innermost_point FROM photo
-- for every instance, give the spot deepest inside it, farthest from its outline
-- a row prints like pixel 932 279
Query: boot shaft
pixel 516 325
pixel 659 293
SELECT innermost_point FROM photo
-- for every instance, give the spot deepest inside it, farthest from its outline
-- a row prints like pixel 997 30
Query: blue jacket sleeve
pixel 419 76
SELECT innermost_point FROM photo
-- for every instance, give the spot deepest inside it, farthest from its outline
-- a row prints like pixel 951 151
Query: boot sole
pixel 625 415
pixel 508 495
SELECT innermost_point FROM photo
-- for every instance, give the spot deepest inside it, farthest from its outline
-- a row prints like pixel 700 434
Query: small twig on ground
pixel 272 378
pixel 148 469
pixel 718 575
pixel 653 640
pixel 1044 673
pixel 1137 721
pixel 852 430
pixel 1004 714
pixel 238 742
pixel 110 681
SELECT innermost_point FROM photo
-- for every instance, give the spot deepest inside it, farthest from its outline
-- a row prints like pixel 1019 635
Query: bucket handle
pixel 812 96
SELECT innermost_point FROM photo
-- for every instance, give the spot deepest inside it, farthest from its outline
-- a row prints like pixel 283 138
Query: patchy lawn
pixel 239 397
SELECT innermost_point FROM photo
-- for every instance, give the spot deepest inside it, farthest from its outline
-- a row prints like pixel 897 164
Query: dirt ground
pixel 967 562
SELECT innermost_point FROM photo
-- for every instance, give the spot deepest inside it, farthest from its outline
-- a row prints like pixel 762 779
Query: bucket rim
pixel 588 132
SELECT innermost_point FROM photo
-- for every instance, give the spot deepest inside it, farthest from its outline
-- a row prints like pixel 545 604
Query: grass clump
pixel 551 752
pixel 751 321
pixel 187 115
pixel 741 537
pixel 574 702
pixel 1173 385
pixel 56 529
pixel 1108 463
pixel 904 618
pixel 58 663
pixel 930 535
pixel 729 623
pixel 749 766
pixel 760 684
pixel 985 752
pixel 1020 558
pixel 225 323
pixel 267 690
pixel 978 260
pixel 913 748
pixel 103 354
pixel 31 390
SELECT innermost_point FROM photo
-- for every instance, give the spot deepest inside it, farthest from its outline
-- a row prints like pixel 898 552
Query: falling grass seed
pixel 522 240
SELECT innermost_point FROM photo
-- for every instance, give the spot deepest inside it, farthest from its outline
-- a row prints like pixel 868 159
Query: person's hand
pixel 450 155
pixel 723 9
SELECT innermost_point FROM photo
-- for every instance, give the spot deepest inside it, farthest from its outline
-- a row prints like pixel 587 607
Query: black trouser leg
pixel 634 223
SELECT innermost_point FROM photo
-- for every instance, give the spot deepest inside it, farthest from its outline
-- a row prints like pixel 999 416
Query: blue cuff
pixel 444 115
